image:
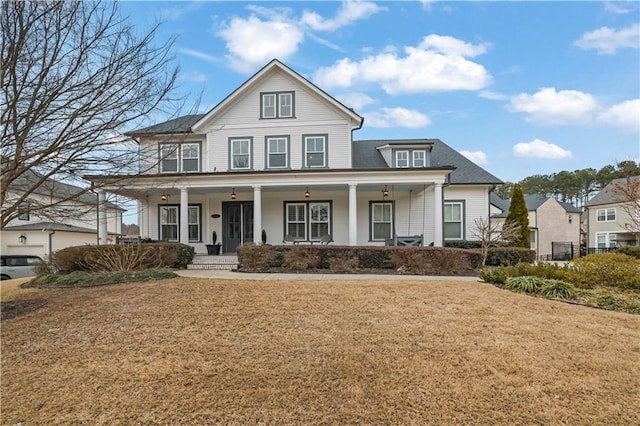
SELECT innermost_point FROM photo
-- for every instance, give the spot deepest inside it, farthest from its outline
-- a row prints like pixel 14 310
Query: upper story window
pixel 180 157
pixel 240 153
pixel 606 215
pixel 23 211
pixel 277 152
pixel 419 158
pixel 315 151
pixel 402 159
pixel 277 105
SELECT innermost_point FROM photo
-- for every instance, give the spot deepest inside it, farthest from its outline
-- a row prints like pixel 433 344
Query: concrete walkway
pixel 231 275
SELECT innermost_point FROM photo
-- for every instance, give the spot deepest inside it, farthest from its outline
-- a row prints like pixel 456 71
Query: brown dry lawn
pixel 196 351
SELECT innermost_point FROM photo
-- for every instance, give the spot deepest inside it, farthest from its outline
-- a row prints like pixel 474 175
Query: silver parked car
pixel 18 266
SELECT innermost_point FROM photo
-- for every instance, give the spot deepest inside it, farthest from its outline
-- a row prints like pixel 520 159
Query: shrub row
pixel 91 279
pixel 630 251
pixel 602 269
pixel 345 259
pixel 122 257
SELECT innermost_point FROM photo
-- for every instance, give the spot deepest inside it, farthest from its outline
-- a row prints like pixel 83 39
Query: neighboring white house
pixel 277 154
pixel 43 230
pixel 554 226
pixel 608 219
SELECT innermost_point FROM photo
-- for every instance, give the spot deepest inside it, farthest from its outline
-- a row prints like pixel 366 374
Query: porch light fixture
pixel 307 194
pixel 385 191
pixel 22 238
pixel 233 193
pixel 164 197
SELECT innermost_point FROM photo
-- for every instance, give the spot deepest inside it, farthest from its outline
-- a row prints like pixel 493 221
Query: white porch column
pixel 184 215
pixel 102 218
pixel 257 214
pixel 353 215
pixel 437 216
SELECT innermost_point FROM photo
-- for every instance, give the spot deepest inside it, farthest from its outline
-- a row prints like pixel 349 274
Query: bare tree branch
pixel 73 75
pixel 492 234
pixel 628 193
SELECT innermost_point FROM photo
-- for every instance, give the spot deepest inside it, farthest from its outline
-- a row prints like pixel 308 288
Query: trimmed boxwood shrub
pixel 605 269
pixel 507 256
pixel 135 257
pixel 463 244
pixel 630 251
pixel 407 260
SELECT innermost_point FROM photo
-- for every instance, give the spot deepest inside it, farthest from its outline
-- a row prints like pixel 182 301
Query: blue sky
pixel 521 88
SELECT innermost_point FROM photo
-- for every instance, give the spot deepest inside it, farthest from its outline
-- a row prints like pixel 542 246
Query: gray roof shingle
pixel 533 203
pixel 177 125
pixel 366 156
pixel 606 195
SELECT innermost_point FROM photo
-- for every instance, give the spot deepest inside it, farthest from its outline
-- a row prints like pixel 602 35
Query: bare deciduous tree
pixel 73 75
pixel 493 233
pixel 627 192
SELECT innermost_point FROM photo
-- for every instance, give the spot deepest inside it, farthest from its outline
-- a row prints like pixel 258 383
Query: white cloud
pixel 397 117
pixel 540 149
pixel 196 77
pixel 493 96
pixel 618 7
pixel 356 100
pixel 477 157
pixel 350 11
pixel 607 41
pixel 625 115
pixel 551 107
pixel 437 64
pixel 427 4
pixel 252 42
pixel 199 55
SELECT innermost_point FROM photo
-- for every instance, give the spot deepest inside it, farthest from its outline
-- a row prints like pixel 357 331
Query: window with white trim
pixel 402 159
pixel 606 215
pixel 169 223
pixel 606 239
pixel 277 105
pixel 194 223
pixel 296 221
pixel 453 213
pixel 419 158
pixel 308 221
pixel 277 152
pixel 23 211
pixel 180 157
pixel 240 154
pixel 381 219
pixel 315 151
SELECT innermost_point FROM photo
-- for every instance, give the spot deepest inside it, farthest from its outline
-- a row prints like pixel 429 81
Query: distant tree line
pixel 575 187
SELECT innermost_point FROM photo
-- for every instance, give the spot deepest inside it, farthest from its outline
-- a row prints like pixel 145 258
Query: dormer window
pixel 277 105
pixel 419 158
pixel 402 159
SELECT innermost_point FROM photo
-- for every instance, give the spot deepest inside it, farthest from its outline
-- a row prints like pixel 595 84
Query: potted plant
pixel 264 237
pixel 214 247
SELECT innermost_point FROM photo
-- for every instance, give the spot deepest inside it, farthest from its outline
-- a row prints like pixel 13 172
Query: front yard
pixel 196 351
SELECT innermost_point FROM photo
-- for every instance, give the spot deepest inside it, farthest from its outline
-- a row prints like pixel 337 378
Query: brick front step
pixel 214 262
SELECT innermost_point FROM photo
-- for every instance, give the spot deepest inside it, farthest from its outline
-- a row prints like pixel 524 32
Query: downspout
pixel 51 243
pixel 424 208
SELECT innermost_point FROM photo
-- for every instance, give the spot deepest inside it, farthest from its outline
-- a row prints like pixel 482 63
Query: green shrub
pixel 604 269
pixel 123 257
pixel 506 256
pixel 630 251
pixel 463 244
pixel 90 279
pixel 523 284
pixel 495 275
pixel 540 269
pixel 557 289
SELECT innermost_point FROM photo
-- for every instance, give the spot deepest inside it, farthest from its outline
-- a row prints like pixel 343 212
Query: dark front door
pixel 237 224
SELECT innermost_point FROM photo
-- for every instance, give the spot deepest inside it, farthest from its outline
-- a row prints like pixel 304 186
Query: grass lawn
pixel 196 351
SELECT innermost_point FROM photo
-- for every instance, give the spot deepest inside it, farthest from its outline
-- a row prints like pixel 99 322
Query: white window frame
pixel 316 236
pixel 447 220
pixel 240 154
pixel 297 220
pixel 195 224
pixel 177 153
pixel 285 139
pixel 164 222
pixel 404 160
pixel 374 222
pixel 610 239
pixel 307 139
pixel 606 215
pixel 283 103
pixel 419 162
pixel 269 105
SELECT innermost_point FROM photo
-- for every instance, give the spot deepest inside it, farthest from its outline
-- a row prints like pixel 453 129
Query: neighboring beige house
pixel 71 223
pixel 608 220
pixel 278 155
pixel 554 226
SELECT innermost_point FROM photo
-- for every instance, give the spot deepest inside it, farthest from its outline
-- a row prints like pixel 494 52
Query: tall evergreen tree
pixel 519 215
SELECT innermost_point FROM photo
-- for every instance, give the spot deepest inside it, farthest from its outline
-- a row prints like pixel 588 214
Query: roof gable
pixel 275 66
pixel 606 195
